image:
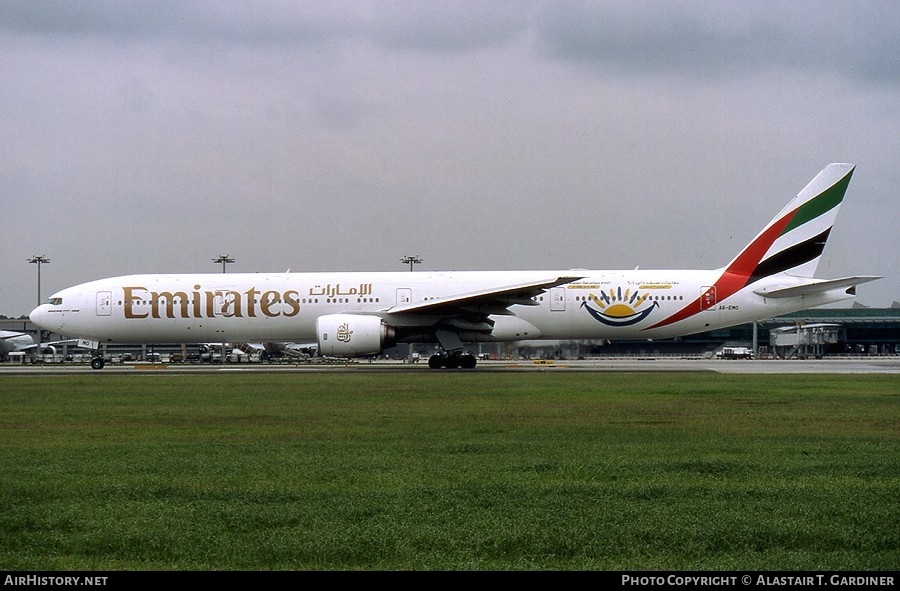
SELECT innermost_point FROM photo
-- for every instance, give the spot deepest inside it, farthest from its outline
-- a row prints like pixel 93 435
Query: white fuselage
pixel 198 308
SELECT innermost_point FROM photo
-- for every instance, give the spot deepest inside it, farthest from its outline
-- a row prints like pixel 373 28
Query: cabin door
pixel 558 299
pixel 104 303
pixel 708 297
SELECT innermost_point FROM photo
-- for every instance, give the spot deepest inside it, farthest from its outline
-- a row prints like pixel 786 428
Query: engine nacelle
pixel 350 335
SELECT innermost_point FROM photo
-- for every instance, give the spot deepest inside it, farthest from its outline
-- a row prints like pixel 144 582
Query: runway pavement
pixel 878 365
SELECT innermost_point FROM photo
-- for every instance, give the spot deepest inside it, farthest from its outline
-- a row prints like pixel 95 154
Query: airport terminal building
pixel 805 334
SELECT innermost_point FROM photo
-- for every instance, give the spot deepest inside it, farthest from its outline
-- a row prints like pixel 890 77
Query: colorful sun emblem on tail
pixel 618 308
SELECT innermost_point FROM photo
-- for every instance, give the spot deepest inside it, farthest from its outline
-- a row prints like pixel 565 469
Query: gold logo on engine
pixel 344 332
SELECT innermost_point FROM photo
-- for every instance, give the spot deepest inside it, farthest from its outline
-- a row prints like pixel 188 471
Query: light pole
pixel 224 259
pixel 411 260
pixel 39 260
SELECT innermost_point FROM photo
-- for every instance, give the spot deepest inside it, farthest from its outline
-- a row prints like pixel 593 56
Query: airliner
pixel 14 341
pixel 353 314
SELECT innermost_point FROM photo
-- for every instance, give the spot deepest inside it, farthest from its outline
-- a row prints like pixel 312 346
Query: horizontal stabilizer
pixel 814 287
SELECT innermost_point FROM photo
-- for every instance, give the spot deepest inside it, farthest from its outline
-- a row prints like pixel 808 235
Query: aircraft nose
pixel 37 315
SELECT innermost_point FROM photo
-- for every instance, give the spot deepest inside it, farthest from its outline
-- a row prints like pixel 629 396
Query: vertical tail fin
pixel 794 240
pixel 792 243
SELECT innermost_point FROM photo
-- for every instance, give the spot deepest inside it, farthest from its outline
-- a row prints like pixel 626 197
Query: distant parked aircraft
pixel 14 341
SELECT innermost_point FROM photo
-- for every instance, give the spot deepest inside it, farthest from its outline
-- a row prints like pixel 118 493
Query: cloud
pixel 220 26
pixel 724 38
pixel 344 135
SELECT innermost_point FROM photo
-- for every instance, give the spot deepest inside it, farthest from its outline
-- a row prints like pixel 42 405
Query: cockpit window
pixel 55 301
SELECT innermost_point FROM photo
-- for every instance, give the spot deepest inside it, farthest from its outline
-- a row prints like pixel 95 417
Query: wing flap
pixel 486 302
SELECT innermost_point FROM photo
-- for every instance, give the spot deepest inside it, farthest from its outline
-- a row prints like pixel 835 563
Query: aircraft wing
pixel 34 345
pixel 76 342
pixel 291 349
pixel 814 287
pixel 12 335
pixel 484 302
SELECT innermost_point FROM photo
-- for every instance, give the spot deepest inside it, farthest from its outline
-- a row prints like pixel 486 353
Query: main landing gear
pixel 452 360
pixel 453 356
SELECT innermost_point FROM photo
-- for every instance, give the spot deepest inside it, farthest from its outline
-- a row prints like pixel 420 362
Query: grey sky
pixel 154 136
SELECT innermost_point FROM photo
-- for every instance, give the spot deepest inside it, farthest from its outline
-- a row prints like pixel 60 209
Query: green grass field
pixel 441 471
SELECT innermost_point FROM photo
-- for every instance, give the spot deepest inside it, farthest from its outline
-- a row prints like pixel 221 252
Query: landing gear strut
pixel 452 360
pixel 453 356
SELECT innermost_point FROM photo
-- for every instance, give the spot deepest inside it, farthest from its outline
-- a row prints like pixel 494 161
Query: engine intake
pixel 350 335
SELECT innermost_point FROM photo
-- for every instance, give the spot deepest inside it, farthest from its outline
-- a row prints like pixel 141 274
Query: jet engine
pixel 349 335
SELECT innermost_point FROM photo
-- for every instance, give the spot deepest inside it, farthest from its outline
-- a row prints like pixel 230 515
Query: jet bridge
pixel 803 340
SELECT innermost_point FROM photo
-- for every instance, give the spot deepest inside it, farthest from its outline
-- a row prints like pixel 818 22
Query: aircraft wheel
pixel 97 363
pixel 435 362
pixel 467 361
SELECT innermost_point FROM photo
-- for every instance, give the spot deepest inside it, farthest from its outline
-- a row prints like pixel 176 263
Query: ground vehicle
pixel 735 353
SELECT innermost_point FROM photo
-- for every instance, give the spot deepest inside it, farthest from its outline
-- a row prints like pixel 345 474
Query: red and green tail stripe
pixel 749 265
